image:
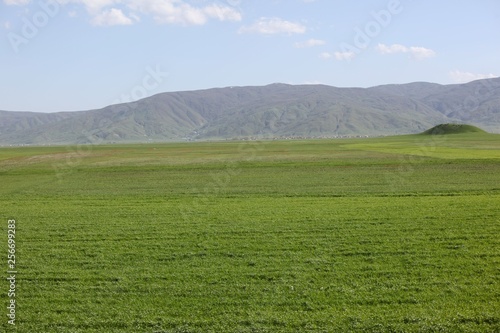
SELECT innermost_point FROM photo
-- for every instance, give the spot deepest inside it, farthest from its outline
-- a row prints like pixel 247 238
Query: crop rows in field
pixel 309 236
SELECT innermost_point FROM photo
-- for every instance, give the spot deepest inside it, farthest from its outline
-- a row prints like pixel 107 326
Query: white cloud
pixel 421 52
pixel 418 52
pixel 112 16
pixel 111 12
pixel 7 25
pixel 269 26
pixel 348 55
pixel 94 7
pixel 325 55
pixel 222 13
pixel 179 12
pixel 309 43
pixel 394 48
pixel 464 77
pixel 169 12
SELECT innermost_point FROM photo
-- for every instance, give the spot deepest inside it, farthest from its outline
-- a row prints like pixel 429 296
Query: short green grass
pixel 394 234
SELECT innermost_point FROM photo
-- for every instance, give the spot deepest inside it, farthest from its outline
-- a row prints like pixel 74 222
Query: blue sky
pixel 83 54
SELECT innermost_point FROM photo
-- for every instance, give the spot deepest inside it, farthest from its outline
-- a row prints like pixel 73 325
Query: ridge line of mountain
pixel 272 111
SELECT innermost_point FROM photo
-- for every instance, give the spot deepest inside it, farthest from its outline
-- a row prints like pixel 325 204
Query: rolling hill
pixel 272 111
pixel 444 129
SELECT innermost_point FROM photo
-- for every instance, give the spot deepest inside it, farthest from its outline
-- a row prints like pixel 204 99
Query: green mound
pixel 453 129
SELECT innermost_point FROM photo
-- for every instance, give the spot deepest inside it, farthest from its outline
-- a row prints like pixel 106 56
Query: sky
pixel 70 55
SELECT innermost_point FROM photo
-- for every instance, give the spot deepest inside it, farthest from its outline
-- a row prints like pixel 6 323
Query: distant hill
pixel 273 111
pixel 443 129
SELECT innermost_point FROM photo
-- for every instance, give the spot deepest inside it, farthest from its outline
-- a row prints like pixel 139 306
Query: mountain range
pixel 272 111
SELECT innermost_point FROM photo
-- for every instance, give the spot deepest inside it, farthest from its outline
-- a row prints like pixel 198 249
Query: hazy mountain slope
pixel 276 110
pixel 476 102
pixel 322 110
pixel 415 90
pixel 13 124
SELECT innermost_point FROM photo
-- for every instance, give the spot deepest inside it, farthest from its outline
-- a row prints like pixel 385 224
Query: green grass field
pixel 397 234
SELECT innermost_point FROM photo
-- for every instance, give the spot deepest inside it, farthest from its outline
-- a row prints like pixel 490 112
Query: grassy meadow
pixel 396 234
